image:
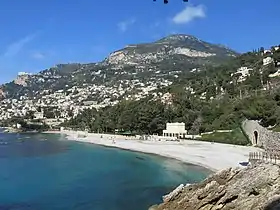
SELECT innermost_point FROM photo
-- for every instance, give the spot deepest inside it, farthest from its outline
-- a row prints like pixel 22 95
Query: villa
pixel 175 130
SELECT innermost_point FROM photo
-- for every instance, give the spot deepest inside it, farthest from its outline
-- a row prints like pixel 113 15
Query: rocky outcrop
pixel 173 194
pixel 193 48
pixel 190 52
pixel 252 188
pixel 2 93
pixel 21 80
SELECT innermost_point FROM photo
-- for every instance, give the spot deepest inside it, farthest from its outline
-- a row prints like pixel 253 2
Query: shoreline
pixel 212 156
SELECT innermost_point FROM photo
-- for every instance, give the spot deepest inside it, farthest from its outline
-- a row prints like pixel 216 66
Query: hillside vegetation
pixel 226 102
pixel 139 88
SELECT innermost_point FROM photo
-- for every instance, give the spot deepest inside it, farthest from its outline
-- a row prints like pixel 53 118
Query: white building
pixel 242 73
pixel 267 61
pixel 276 74
pixel 23 74
pixel 175 130
pixel 276 48
pixel 39 115
pixel 18 126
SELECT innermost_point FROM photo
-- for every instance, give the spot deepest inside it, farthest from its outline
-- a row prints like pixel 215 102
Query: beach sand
pixel 214 156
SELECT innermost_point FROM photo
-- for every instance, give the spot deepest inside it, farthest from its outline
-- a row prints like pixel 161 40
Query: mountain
pixel 141 87
pixel 185 47
pixel 159 62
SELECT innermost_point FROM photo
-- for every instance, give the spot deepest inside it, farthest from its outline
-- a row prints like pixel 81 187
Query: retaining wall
pixel 261 136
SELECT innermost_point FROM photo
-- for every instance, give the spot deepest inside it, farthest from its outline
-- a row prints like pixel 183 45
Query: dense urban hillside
pixel 141 87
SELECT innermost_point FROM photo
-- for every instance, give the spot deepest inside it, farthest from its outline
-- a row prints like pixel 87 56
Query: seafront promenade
pixel 213 156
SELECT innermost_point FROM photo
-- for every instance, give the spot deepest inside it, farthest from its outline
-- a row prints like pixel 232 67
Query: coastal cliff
pixel 255 187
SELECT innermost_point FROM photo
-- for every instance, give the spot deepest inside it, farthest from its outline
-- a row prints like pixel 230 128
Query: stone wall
pixel 261 136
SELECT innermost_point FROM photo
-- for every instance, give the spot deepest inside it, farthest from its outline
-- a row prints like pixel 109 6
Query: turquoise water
pixel 46 172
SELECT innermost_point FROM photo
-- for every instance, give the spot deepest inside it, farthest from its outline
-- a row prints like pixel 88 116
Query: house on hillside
pixel 39 115
pixel 242 73
pixel 267 61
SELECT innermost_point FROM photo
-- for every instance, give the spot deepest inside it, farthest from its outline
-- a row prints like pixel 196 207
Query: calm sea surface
pixel 46 172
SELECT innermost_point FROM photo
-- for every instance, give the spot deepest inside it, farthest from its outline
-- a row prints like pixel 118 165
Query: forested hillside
pixel 139 88
pixel 209 99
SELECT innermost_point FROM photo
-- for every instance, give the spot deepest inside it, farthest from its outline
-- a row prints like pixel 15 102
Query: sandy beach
pixel 213 156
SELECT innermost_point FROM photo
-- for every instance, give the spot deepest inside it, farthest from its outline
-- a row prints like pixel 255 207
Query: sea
pixel 47 172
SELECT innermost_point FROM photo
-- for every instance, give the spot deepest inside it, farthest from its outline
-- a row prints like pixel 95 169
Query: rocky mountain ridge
pixel 179 44
pixel 153 62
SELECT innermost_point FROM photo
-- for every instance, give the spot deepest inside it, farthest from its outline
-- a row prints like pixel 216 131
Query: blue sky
pixel 36 35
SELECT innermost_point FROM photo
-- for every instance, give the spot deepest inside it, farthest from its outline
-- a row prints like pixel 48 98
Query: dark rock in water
pixel 254 187
pixel 140 158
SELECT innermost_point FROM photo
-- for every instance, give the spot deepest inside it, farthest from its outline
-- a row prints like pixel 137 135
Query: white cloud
pixel 15 47
pixel 189 13
pixel 38 56
pixel 123 25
